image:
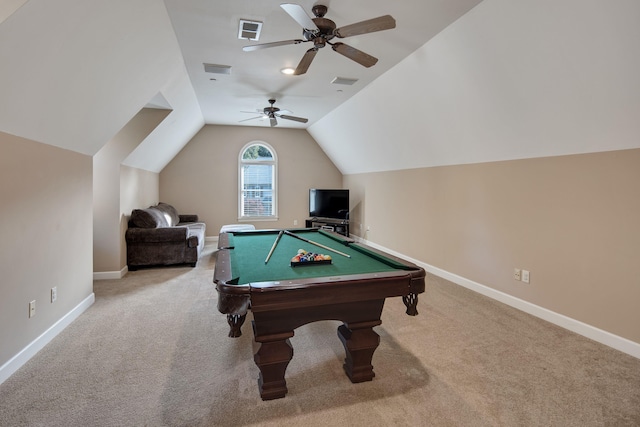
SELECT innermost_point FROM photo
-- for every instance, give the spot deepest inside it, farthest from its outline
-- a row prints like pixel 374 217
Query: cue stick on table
pixel 273 247
pixel 316 243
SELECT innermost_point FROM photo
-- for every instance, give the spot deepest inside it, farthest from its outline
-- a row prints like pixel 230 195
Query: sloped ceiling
pixel 458 81
pixel 73 73
pixel 207 31
pixel 508 80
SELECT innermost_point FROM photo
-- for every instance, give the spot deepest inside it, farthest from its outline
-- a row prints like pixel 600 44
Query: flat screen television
pixel 329 203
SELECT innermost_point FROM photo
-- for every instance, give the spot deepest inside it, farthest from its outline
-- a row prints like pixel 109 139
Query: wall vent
pixel 249 30
pixel 217 69
pixel 343 81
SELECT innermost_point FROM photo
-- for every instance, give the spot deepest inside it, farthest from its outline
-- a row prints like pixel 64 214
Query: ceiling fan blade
pixel 306 60
pixel 299 15
pixel 273 121
pixel 273 44
pixel 297 119
pixel 354 54
pixel 252 118
pixel 381 23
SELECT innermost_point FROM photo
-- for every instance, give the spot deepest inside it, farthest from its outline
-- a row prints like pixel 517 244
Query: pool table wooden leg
pixel 235 322
pixel 273 357
pixel 360 342
pixel 411 302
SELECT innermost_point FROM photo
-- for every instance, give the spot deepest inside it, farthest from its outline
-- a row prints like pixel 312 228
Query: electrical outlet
pixel 516 274
pixel 525 276
pixel 295 222
pixel 54 294
pixel 32 308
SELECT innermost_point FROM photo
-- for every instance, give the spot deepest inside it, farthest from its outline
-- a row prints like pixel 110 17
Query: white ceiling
pixel 458 81
pixel 207 32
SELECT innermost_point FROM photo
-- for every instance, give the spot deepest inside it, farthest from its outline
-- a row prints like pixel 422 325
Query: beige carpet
pixel 153 351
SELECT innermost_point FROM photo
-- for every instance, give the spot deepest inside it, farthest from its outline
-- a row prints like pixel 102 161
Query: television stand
pixel 340 226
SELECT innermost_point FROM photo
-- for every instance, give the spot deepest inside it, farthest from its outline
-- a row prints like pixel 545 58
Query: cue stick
pixel 273 247
pixel 316 243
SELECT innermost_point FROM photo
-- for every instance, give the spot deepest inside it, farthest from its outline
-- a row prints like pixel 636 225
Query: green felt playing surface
pixel 251 250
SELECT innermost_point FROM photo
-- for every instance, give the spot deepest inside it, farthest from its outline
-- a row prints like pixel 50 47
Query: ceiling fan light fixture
pixel 288 71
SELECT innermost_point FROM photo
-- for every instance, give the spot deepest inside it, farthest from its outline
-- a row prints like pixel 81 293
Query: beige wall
pixel 203 177
pixel 108 237
pixel 46 229
pixel 572 221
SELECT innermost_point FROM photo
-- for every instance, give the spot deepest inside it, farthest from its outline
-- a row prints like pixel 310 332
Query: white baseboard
pixel 603 337
pixel 11 366
pixel 109 275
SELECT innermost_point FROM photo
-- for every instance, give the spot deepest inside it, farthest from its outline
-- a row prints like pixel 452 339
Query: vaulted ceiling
pixel 74 73
pixel 457 81
pixel 207 32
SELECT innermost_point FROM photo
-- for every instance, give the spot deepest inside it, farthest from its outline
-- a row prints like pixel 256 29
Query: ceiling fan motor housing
pixel 327 31
pixel 269 111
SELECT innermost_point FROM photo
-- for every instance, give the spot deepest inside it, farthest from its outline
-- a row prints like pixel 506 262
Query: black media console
pixel 338 225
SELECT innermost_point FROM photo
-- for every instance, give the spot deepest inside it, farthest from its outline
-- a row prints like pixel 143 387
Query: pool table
pixel 254 273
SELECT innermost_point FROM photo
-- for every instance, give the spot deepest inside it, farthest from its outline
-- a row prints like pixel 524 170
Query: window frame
pixel 274 184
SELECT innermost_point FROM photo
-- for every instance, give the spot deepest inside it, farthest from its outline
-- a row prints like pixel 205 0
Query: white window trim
pixel 274 162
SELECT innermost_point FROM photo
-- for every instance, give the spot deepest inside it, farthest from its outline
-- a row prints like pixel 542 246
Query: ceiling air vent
pixel 343 81
pixel 249 30
pixel 217 69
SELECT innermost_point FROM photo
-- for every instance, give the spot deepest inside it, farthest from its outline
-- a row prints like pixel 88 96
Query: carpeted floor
pixel 153 351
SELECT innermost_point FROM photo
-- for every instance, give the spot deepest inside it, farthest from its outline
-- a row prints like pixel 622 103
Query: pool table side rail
pixel 327 291
pixel 232 298
pixel 237 299
pixel 226 282
pixel 225 240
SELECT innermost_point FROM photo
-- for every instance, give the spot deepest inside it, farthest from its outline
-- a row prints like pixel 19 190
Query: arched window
pixel 257 169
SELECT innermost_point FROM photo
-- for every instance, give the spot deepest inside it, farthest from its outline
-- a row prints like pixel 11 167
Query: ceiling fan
pixel 272 112
pixel 321 31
